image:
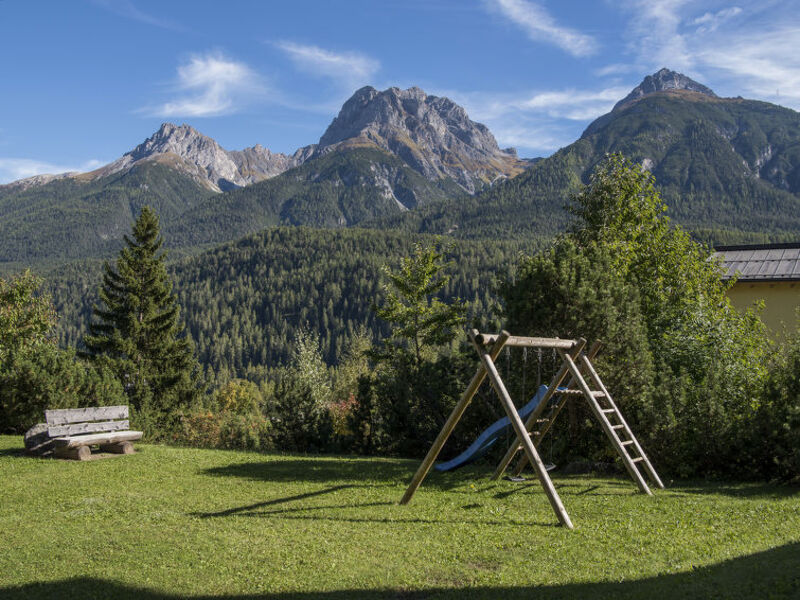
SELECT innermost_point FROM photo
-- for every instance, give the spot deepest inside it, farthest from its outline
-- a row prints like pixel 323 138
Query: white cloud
pixel 655 35
pixel 12 169
pixel 126 8
pixel 540 26
pixel 711 21
pixel 616 69
pixel 350 69
pixel 538 121
pixel 762 64
pixel 752 51
pixel 210 85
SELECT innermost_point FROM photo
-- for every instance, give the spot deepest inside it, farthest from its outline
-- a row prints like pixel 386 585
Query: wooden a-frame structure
pixel 530 433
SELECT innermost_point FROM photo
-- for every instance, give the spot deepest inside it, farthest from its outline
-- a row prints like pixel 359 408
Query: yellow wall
pixel 781 300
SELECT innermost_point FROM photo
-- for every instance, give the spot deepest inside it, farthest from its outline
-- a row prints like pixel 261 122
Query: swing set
pixel 577 364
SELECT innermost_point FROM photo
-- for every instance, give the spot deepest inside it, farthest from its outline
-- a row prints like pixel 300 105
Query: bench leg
pixel 79 453
pixel 118 448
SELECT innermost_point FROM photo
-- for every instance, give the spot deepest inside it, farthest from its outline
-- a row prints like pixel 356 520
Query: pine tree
pixel 420 322
pixel 138 330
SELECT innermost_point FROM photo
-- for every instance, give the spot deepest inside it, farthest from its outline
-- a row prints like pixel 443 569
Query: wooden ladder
pixel 612 422
pixel 603 407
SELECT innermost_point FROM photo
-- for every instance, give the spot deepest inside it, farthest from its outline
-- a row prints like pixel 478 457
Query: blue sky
pixel 87 80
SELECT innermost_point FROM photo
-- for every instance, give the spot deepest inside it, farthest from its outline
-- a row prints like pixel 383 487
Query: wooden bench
pixel 74 430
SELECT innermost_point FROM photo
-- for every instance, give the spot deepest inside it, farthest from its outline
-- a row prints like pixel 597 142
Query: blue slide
pixel 492 433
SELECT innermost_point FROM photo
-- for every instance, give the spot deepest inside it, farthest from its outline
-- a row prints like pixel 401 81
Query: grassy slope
pixel 168 522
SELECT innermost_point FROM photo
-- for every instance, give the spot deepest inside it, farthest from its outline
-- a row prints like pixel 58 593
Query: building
pixel 767 272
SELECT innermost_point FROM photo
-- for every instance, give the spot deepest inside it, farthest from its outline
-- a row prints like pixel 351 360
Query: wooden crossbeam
pixel 484 339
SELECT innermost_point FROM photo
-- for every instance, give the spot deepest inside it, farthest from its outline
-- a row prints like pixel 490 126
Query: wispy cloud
pixel 540 26
pixel 751 49
pixel 764 65
pixel 209 85
pixel 127 9
pixel 538 121
pixel 616 69
pixel 655 33
pixel 709 22
pixel 12 169
pixel 350 69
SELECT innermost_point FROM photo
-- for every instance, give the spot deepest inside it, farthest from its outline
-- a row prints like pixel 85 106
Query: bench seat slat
pixel 98 438
pixel 64 416
pixel 82 428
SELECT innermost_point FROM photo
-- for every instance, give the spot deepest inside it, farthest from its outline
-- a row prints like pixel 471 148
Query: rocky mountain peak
pixel 434 135
pixel 663 80
pixel 204 159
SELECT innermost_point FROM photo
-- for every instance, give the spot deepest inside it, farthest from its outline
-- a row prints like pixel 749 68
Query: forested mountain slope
pixel 75 217
pixel 337 189
pixel 244 301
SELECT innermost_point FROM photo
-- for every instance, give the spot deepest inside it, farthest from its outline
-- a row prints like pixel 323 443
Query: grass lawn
pixel 172 522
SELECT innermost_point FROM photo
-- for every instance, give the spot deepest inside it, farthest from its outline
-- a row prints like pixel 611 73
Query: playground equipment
pixel 574 363
pixel 490 435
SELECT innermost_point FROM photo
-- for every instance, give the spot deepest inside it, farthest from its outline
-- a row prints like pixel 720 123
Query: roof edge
pixel 779 246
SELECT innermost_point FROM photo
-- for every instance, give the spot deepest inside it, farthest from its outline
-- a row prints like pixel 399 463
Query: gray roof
pixel 766 262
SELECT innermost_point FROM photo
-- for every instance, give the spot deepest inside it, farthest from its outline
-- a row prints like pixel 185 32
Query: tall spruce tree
pixel 138 330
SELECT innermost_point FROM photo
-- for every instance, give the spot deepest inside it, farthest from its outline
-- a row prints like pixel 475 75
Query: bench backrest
pixel 77 421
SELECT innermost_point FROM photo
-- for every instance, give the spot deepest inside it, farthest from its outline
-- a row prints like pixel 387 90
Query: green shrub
pixel 776 443
pixel 685 367
pixel 47 378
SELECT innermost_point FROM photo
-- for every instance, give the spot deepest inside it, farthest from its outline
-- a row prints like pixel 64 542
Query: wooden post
pixel 522 434
pixel 118 448
pixel 551 389
pixel 453 419
pixel 76 453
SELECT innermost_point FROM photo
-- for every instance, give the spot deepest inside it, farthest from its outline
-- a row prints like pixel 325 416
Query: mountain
pixel 192 153
pixel 342 188
pixel 433 135
pixel 385 153
pixel 727 168
pixel 77 217
pixel 662 81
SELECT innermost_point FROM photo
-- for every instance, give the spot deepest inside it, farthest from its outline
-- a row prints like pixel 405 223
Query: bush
pixel 226 430
pixel 776 443
pixel 685 367
pixel 49 378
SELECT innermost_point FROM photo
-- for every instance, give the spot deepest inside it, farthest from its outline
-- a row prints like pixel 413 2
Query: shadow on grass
pixel 377 472
pixel 16 453
pixel 319 470
pixel 739 490
pixel 771 574
pixel 265 510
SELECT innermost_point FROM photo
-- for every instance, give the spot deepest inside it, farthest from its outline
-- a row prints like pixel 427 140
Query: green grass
pixel 170 522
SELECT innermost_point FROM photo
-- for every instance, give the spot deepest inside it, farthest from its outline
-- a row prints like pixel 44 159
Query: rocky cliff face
pixel 433 135
pixel 664 80
pixel 187 150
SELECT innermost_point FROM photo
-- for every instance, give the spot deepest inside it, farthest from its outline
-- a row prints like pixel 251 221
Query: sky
pixel 85 81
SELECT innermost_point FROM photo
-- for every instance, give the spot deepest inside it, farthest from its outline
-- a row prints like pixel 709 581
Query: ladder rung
pixel 598 395
pixel 617 426
pixel 608 410
pixel 637 459
pixel 532 433
pixel 542 420
pixel 626 443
